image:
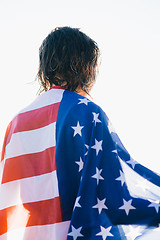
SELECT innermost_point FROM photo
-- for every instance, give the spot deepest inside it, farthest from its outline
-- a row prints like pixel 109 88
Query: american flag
pixel 65 174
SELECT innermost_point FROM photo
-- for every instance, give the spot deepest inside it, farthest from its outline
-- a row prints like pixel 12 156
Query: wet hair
pixel 68 58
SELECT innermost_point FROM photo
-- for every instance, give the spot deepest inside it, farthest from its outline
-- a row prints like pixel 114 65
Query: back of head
pixel 68 58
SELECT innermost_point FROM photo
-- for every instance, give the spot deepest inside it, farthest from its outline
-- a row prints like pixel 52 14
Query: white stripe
pixel 1 169
pixel 151 192
pixel 57 231
pixel 31 189
pixel 47 98
pixel 31 141
pixel 153 233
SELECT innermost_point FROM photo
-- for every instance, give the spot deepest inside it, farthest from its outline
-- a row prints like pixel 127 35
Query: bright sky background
pixel 128 89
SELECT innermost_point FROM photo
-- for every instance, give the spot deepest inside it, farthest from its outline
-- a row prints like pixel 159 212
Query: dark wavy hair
pixel 68 58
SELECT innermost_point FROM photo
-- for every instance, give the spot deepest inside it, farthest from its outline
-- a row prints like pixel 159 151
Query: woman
pixel 65 173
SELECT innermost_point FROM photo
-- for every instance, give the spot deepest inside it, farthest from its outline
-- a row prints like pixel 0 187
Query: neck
pixel 83 93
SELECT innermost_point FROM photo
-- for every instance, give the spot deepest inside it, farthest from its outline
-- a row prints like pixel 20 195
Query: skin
pixel 81 92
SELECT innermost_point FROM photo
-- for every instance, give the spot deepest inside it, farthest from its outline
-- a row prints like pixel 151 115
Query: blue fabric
pixel 104 192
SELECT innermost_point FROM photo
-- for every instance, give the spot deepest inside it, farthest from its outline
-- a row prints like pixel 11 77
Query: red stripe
pixel 57 87
pixel 34 119
pixel 29 165
pixel 37 118
pixel 5 142
pixel 30 214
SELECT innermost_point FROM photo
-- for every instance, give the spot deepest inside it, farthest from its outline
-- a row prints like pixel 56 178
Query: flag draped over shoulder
pixel 65 175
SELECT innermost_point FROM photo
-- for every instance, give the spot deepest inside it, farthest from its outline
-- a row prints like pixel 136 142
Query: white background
pixel 127 88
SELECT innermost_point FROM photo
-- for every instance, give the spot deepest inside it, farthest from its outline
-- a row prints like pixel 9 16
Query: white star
pixel 77 202
pixel 133 233
pixel 105 232
pixel 98 175
pixel 80 163
pixel 97 146
pixel 75 233
pixel 127 206
pixel 95 118
pixel 77 129
pixel 110 127
pixel 100 205
pixel 87 146
pixel 132 162
pixel 155 204
pixel 84 100
pixel 121 178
